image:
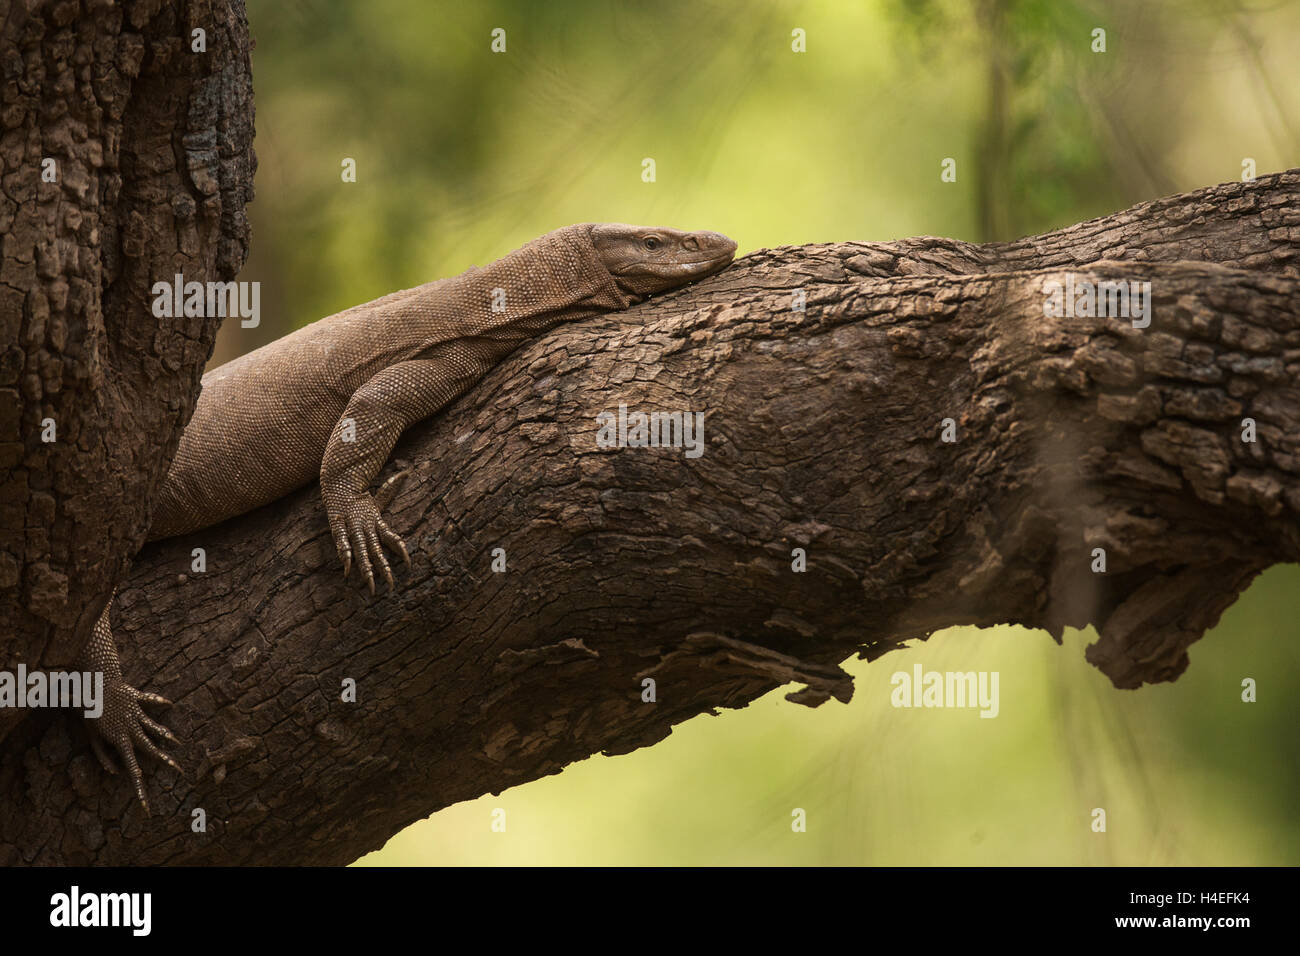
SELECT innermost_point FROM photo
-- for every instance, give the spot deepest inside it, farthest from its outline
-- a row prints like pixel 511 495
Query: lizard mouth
pixel 682 267
pixel 683 270
pixel 707 265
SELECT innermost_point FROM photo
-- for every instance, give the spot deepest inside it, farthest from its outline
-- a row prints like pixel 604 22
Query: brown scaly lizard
pixel 332 398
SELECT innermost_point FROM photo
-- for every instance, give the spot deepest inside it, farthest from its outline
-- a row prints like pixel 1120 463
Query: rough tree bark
pixel 822 433
pixel 148 143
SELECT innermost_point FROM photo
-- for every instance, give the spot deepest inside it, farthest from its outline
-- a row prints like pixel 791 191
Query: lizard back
pixel 263 420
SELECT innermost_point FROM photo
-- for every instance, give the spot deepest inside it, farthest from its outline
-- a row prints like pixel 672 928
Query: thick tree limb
pixel 126 152
pixel 822 433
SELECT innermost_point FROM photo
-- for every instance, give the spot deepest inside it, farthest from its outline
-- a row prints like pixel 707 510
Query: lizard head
pixel 644 259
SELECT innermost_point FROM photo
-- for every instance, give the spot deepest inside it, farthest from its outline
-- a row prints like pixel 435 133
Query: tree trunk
pixel 822 432
pixel 127 158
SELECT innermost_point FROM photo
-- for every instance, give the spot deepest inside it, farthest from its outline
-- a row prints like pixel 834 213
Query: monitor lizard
pixel 331 399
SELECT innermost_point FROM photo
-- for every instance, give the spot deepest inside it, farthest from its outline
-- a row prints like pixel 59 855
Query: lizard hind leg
pixel 122 721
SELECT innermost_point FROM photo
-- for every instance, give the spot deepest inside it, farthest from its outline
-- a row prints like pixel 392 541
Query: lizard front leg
pixel 122 722
pixel 375 417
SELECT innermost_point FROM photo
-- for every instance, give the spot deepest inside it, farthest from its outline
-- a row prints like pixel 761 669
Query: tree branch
pixel 822 432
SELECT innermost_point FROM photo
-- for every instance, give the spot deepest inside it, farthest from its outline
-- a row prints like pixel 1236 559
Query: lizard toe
pixel 145 697
pixel 339 531
pixel 377 556
pixel 393 541
pixel 101 753
pixel 139 737
pixel 357 548
pixel 362 552
pixel 154 727
pixel 122 744
pixel 389 489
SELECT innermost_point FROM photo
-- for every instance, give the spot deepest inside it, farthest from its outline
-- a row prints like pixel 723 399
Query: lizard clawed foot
pixel 123 724
pixel 360 532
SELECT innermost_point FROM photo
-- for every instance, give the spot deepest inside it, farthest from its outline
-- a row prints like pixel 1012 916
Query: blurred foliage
pixel 463 154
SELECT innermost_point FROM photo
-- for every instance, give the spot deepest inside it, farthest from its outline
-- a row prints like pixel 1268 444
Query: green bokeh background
pixel 463 155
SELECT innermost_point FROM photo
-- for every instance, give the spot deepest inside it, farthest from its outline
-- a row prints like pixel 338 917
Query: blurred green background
pixel 463 154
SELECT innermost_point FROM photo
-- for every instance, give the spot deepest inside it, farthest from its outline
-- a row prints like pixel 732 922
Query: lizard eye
pixel 652 242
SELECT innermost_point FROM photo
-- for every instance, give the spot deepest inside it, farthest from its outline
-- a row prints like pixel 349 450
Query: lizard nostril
pixel 691 244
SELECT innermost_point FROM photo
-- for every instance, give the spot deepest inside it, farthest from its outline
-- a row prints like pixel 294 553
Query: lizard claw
pixel 122 723
pixel 360 532
pixel 389 489
pixel 338 528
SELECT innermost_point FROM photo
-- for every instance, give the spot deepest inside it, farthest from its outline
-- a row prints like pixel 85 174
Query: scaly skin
pixel 332 398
